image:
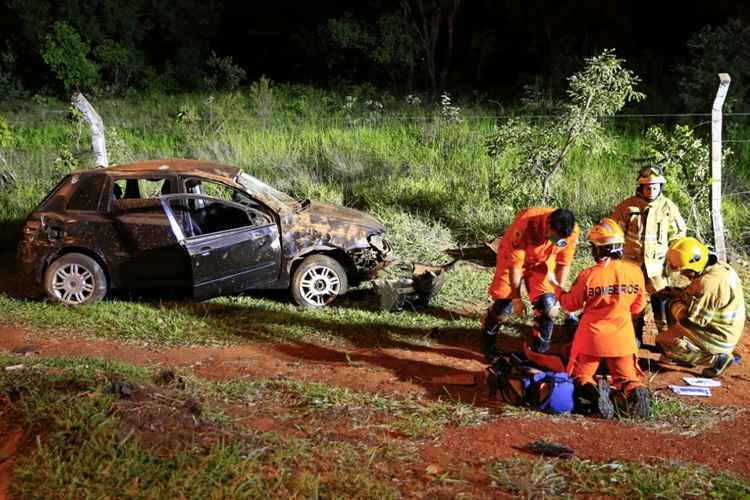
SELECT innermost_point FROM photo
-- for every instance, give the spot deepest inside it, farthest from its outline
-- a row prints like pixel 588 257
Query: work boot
pixel 487 346
pixel 585 396
pixel 640 402
pixel 719 365
pixel 604 402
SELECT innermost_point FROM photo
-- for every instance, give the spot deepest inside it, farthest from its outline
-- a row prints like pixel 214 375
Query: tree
pixel 713 50
pixel 427 23
pixel 67 55
pixel 389 43
pixel 601 89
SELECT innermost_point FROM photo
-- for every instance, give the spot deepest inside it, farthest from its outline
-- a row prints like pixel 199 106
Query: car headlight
pixel 376 240
pixel 382 245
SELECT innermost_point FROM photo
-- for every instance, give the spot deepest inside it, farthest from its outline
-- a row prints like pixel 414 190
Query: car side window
pixel 139 193
pixel 87 193
pixel 201 216
pixel 220 191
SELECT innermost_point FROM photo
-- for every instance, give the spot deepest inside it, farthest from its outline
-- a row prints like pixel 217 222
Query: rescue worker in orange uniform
pixel 611 293
pixel 538 242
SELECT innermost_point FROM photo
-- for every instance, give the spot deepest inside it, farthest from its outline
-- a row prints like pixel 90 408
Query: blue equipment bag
pixel 521 383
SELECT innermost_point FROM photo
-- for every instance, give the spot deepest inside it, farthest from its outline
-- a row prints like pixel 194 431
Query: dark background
pixel 286 40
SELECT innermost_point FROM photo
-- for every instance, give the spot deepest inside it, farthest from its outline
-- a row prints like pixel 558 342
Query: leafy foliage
pixel 7 177
pixel 261 98
pixel 713 50
pixel 6 134
pixel 601 89
pixel 223 73
pixel 119 63
pixel 686 162
pixel 390 43
pixel 67 54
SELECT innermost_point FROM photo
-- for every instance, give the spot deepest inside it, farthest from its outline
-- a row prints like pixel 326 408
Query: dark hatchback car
pixel 205 227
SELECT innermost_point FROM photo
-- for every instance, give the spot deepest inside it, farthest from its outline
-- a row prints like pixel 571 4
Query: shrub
pixel 119 63
pixel 66 53
pixel 223 73
pixel 686 161
pixel 601 89
pixel 713 50
pixel 261 98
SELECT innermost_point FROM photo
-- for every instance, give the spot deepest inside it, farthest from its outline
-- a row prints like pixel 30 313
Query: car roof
pixel 199 168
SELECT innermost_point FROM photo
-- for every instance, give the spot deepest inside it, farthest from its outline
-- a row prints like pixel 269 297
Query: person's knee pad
pixel 545 310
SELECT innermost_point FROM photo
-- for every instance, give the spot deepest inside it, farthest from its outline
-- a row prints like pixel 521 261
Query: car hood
pixel 336 216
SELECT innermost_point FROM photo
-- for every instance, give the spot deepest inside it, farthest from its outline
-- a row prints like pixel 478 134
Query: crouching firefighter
pixel 707 317
pixel 611 293
pixel 538 242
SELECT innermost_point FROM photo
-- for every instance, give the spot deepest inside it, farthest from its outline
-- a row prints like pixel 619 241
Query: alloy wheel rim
pixel 319 285
pixel 73 284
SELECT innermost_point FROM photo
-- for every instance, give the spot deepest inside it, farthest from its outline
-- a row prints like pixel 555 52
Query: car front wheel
pixel 75 279
pixel 318 281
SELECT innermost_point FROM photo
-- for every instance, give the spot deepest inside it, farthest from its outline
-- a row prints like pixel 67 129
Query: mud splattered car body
pixel 186 223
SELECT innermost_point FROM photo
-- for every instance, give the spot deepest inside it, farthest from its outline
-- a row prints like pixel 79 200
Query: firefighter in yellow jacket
pixel 651 222
pixel 707 317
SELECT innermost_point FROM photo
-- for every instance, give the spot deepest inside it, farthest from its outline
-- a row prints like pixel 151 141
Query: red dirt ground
pixel 448 367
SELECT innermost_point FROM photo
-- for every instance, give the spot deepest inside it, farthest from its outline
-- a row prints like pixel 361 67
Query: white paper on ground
pixel 702 382
pixel 690 391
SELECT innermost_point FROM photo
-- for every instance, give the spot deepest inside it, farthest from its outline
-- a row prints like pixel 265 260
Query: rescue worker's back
pixel 609 293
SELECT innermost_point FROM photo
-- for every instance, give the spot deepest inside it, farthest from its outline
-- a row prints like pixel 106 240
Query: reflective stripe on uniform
pixel 700 337
pixel 723 318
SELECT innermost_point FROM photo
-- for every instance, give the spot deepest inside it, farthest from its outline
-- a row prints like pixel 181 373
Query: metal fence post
pixel 716 121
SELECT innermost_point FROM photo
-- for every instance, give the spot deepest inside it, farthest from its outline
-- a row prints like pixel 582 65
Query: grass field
pixel 104 426
pixel 95 428
pixel 401 158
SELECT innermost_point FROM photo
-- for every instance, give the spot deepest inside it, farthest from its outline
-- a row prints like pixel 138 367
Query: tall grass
pixel 403 158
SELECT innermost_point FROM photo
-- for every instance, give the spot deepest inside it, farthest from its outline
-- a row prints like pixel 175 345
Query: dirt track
pixel 430 372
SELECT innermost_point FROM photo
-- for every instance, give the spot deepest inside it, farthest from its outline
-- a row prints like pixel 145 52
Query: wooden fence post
pixel 716 153
pixel 98 143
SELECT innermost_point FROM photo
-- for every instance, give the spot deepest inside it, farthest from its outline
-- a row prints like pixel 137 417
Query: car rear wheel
pixel 318 281
pixel 75 279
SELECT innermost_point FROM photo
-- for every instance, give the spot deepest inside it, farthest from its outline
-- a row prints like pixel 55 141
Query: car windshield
pixel 254 185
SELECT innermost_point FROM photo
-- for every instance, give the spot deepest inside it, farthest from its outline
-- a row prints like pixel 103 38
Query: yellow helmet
pixel 650 174
pixel 606 232
pixel 687 254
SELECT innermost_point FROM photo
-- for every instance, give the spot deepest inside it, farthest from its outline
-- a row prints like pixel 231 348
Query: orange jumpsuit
pixel 610 293
pixel 524 246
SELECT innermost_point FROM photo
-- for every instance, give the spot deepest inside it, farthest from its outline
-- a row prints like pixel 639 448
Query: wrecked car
pixel 209 228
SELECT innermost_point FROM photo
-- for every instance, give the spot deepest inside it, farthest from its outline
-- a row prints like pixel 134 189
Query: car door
pixel 146 251
pixel 231 247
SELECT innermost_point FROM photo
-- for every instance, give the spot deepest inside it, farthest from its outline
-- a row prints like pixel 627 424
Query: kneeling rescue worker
pixel 707 317
pixel 538 242
pixel 611 293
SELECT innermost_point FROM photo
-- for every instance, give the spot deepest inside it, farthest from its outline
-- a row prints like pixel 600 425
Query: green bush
pixel 223 73
pixel 67 55
pixel 119 63
pixel 712 50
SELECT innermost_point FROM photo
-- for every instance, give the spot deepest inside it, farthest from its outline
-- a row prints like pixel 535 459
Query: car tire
pixel 317 281
pixel 75 279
